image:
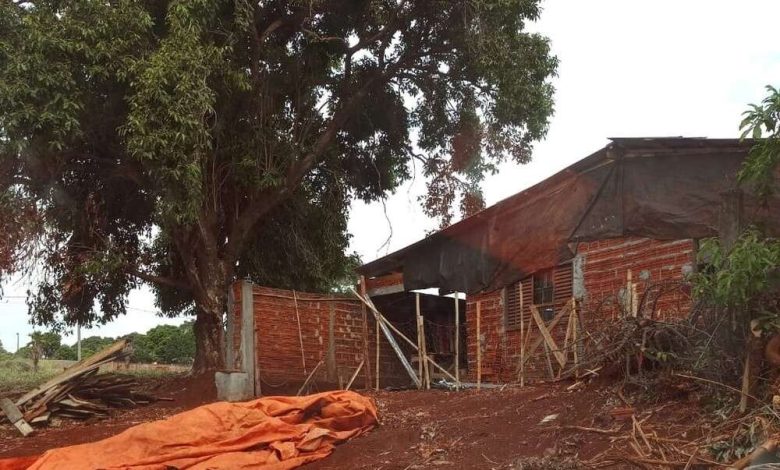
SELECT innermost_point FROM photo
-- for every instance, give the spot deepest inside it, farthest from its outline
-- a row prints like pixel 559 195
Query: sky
pixel 627 68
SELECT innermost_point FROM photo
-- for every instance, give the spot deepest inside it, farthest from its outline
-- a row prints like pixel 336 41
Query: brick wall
pixel 327 323
pixel 657 268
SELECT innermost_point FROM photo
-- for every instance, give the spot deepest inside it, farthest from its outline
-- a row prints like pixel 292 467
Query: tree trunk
pixel 209 356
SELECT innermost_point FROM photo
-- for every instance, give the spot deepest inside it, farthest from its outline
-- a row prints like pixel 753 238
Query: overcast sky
pixel 627 68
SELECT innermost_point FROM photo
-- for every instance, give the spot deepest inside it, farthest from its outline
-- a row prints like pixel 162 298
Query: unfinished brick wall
pixel 331 330
pixel 657 268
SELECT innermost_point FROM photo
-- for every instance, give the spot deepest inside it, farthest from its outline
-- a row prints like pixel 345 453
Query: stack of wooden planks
pixel 78 392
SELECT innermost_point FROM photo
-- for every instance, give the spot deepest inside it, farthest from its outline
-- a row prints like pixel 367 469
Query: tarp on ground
pixel 272 433
pixel 662 188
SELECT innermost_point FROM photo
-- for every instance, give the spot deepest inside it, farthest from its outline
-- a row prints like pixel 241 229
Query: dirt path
pixel 488 429
pixel 477 430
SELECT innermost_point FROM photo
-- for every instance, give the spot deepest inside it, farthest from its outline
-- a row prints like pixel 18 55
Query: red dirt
pixel 487 429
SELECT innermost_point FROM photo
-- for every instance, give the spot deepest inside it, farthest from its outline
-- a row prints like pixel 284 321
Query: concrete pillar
pixel 230 329
pixel 248 337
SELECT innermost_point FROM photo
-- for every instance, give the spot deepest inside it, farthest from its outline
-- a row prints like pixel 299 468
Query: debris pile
pixel 78 393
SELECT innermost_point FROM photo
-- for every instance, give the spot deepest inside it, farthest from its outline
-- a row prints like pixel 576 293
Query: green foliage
pixel 18 376
pixel 48 342
pixel 3 353
pixel 760 169
pixel 738 277
pixel 65 352
pixel 169 344
pixel 189 144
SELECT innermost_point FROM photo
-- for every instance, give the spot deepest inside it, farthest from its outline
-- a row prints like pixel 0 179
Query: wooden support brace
pixel 15 416
pixel 357 371
pixel 308 379
pixel 548 339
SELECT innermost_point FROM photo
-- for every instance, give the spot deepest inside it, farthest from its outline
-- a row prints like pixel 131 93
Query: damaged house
pixel 523 285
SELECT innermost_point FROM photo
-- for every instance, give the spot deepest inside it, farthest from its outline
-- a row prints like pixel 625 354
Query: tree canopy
pixel 189 144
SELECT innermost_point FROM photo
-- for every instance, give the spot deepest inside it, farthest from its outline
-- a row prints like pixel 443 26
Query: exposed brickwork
pixel 278 355
pixel 657 267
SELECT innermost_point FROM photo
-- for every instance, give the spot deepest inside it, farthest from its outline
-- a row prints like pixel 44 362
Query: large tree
pixel 186 144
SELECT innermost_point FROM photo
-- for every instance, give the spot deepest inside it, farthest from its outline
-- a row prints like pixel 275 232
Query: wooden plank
pixel 15 416
pixel 386 327
pixel 377 357
pixel 479 347
pixel 522 337
pixel 426 366
pixel 75 370
pixel 357 371
pixel 548 339
pixel 308 379
pixel 376 312
pixel 364 318
pixel 418 322
pixel 457 340
pixel 538 342
pixel 300 332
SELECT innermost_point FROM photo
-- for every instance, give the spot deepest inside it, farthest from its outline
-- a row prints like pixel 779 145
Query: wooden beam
pixel 75 370
pixel 418 323
pixel 357 371
pixel 300 332
pixel 390 339
pixel 548 339
pixel 479 347
pixel 522 337
pixel 389 325
pixel 15 416
pixel 457 339
pixel 538 342
pixel 364 317
pixel 308 379
pixel 377 357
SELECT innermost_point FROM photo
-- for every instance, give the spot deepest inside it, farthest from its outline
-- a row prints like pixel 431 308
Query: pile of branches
pixel 655 438
pixel 704 340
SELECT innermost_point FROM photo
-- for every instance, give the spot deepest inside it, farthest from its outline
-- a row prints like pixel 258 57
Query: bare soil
pixel 487 429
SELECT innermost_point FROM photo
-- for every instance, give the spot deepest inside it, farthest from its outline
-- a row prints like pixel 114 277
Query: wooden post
pixel 387 327
pixel 522 336
pixel 743 399
pixel 377 356
pixel 308 378
pixel 366 358
pixel 300 332
pixel 479 346
pixel 575 337
pixel 357 371
pixel 424 351
pixel 420 357
pixel 629 294
pixel 330 357
pixel 457 340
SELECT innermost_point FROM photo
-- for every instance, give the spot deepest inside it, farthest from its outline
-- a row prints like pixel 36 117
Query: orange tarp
pixel 272 433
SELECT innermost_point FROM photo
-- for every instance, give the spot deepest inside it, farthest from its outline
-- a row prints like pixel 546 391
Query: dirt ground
pixel 487 429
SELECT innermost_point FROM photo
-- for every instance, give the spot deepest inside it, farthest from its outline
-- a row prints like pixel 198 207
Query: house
pixel 524 285
pixel 615 233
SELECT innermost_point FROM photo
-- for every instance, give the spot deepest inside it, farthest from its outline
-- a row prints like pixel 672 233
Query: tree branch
pixel 160 280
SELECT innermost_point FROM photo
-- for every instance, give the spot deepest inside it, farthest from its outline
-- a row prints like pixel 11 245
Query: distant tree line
pixel 163 344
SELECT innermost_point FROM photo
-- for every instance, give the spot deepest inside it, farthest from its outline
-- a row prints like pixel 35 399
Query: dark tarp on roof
pixel 666 188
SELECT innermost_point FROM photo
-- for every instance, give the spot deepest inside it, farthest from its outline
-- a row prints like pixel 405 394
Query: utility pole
pixel 78 341
pixel 17 342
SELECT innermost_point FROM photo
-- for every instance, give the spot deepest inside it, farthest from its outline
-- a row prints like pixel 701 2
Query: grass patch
pixel 19 375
